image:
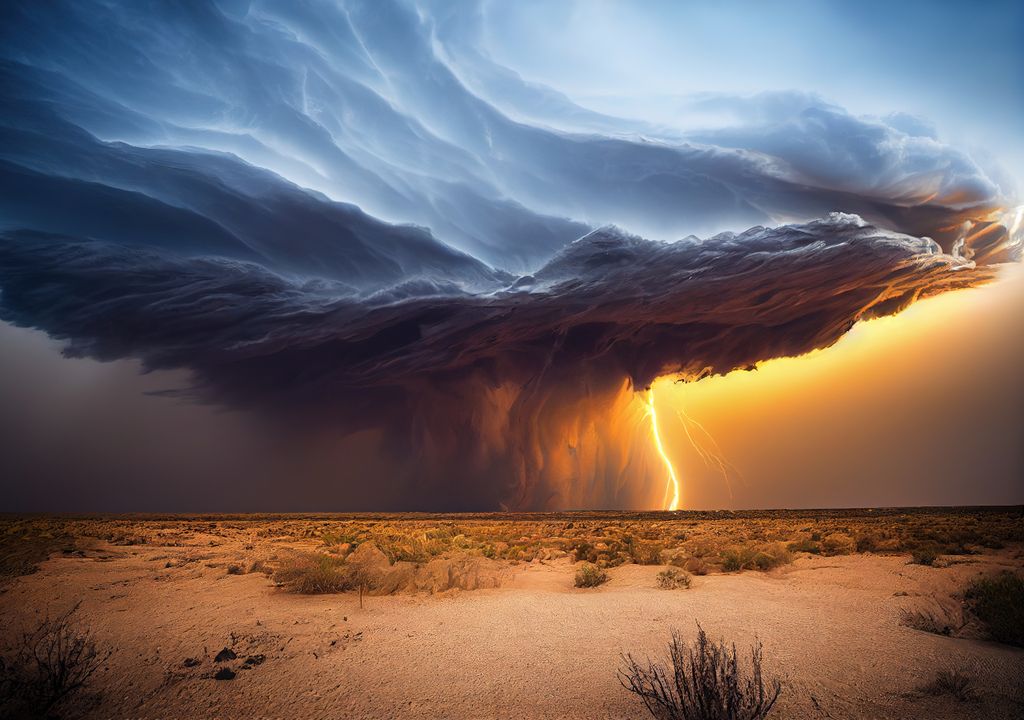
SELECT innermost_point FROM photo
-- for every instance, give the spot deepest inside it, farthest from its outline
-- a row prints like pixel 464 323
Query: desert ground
pixel 479 616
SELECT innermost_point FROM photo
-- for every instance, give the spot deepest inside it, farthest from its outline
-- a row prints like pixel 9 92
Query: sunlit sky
pixel 920 408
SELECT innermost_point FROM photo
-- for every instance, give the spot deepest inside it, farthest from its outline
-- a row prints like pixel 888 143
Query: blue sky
pixel 961 65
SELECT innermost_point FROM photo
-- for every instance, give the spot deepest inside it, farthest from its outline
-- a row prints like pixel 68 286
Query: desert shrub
pixel 590 575
pixel 696 566
pixel 747 557
pixel 314 573
pixel 998 601
pixel 339 538
pixel 925 555
pixel 951 682
pixel 927 621
pixel 49 667
pixel 672 578
pixel 258 566
pixel 771 556
pixel 583 551
pixel 701 548
pixel 805 545
pixel 402 548
pixel 678 559
pixel 702 682
pixel 838 544
pixel 737 558
pixel 867 542
pixel 645 553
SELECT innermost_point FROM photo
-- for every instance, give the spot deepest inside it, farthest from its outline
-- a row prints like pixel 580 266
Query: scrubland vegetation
pixel 311 554
pixel 998 601
pixel 252 577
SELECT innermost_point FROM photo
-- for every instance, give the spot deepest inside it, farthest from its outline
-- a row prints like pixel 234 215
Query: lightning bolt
pixel 672 484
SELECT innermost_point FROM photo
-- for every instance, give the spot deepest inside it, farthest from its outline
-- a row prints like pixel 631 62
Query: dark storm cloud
pixel 610 306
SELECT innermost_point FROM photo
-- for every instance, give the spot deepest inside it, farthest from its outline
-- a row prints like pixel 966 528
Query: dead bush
pixel 46 672
pixel 702 682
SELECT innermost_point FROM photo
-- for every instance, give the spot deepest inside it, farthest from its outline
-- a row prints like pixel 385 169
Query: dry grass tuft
pixel 951 682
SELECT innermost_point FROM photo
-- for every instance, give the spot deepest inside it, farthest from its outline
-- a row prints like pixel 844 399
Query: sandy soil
pixel 534 648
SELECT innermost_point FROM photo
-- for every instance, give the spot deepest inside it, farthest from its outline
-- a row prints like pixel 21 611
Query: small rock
pixel 191 662
pixel 225 673
pixel 225 654
pixel 255 660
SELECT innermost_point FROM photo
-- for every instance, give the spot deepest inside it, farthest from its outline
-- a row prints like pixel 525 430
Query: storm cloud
pixel 322 214
pixel 478 385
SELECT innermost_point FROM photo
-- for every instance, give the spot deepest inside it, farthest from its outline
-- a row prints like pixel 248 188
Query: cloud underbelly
pixel 524 395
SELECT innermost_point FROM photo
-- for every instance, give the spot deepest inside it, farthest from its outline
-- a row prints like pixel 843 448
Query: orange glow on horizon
pixel 890 357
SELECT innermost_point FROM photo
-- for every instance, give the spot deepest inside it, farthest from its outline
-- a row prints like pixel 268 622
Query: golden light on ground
pixel 810 418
